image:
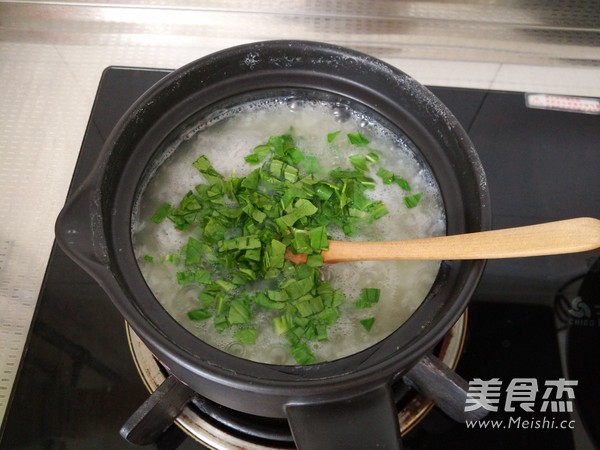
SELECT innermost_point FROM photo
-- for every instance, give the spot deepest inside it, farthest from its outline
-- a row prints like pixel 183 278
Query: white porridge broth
pixel 213 221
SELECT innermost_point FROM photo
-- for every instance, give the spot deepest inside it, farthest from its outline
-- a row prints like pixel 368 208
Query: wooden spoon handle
pixel 552 238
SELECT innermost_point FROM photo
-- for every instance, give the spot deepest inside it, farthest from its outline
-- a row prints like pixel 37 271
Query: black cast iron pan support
pixel 368 420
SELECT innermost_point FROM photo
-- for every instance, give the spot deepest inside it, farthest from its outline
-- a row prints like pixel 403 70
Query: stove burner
pixel 220 427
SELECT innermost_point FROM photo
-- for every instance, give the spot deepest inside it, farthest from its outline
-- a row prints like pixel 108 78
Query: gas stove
pixel 531 323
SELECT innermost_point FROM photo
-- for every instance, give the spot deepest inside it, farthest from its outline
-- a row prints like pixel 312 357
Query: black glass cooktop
pixel 78 384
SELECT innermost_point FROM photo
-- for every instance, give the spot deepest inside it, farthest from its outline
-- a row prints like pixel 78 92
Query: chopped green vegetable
pixel 357 138
pixel 277 296
pixel 329 315
pixel 309 305
pixel 275 255
pixel 368 323
pixel 199 314
pixel 324 192
pixel 241 227
pixel 402 183
pixel 359 162
pixel 331 136
pixel 283 171
pixel 314 261
pixel 302 208
pixel 239 312
pixel 196 275
pixel 215 179
pixel 161 213
pixel 225 285
pixel 298 288
pixel 386 176
pixel 412 200
pixel 300 242
pixel 202 164
pixel 148 258
pixel 318 238
pixel 173 258
pixel 311 164
pixel 258 154
pixel 240 243
pixel 193 251
pixel 264 301
pixel 369 296
pixel 206 299
pixel 246 336
pixel 283 323
pixel 372 157
pixel 302 354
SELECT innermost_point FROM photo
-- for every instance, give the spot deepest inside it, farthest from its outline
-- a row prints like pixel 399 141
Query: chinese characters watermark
pixel 521 393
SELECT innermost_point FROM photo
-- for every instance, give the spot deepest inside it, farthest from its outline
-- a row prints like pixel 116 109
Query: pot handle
pixel 79 231
pixel 365 421
pixel 158 412
pixel 448 390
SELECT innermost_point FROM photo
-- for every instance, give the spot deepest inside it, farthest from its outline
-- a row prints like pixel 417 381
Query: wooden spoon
pixel 552 238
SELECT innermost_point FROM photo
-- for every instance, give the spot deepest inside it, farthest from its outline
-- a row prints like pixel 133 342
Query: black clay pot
pixel 346 403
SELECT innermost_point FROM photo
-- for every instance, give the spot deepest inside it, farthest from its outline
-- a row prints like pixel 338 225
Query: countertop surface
pixel 52 55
